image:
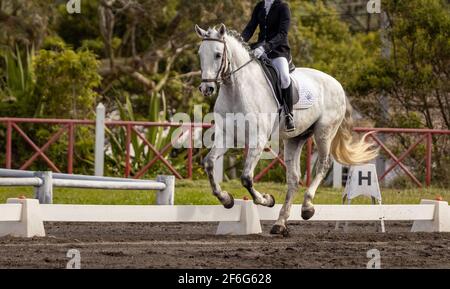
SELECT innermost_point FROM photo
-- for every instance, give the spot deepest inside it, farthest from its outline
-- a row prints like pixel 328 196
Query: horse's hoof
pixel 308 213
pixel 279 230
pixel 271 202
pixel 230 203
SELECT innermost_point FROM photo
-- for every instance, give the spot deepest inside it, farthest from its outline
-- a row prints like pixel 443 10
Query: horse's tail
pixel 349 150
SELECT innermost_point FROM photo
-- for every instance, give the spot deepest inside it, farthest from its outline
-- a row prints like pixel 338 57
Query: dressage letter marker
pixel 362 180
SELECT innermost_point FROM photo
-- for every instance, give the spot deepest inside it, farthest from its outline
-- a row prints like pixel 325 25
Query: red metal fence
pixel 424 135
pixel 69 126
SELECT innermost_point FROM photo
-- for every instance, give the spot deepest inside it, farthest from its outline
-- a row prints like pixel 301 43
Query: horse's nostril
pixel 210 89
pixel 200 88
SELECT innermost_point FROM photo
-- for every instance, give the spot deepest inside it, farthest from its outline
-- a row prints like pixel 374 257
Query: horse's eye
pixel 218 55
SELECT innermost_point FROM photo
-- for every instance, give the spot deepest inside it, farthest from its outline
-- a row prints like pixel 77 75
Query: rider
pixel 273 18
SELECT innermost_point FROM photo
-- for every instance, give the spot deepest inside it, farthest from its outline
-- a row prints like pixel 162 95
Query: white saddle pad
pixel 306 97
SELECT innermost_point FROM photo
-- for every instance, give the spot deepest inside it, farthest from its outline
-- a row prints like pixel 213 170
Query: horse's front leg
pixel 209 162
pixel 253 156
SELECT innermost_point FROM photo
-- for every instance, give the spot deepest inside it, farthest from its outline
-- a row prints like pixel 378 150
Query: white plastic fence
pixel 44 182
pixel 26 217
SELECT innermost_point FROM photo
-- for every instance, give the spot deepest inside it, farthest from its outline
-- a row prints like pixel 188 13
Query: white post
pixel 250 222
pixel 218 170
pixel 99 140
pixel 166 196
pixel 31 223
pixel 337 175
pixel 44 193
pixel 441 218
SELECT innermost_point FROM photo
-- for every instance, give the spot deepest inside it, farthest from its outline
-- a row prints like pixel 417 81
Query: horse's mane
pixel 235 35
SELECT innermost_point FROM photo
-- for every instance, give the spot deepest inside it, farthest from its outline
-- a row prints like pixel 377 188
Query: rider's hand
pixel 258 52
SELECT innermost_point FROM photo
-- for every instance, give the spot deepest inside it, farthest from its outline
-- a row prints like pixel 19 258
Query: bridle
pixel 222 74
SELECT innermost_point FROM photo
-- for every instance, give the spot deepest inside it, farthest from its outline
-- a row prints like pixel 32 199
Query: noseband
pixel 222 74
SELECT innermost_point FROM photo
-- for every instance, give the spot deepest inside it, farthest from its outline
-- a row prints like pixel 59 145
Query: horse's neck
pixel 248 87
pixel 239 55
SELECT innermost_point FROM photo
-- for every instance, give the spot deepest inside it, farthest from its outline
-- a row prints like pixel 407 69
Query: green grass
pixel 198 192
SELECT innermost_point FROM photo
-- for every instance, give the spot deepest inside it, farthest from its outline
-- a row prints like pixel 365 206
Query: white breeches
pixel 282 65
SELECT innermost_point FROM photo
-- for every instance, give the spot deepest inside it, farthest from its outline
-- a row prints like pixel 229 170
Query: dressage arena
pixel 195 245
pixel 172 236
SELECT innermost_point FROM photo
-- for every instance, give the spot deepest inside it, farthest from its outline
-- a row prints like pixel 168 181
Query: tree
pixel 148 46
pixel 415 77
pixel 320 40
pixel 24 22
pixel 65 82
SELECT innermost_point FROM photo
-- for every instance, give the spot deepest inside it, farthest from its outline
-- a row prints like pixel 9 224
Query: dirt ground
pixel 310 245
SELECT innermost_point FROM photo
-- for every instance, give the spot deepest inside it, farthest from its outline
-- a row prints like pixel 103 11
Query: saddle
pixel 273 77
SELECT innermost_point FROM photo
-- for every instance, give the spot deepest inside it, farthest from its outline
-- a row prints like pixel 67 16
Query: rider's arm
pixel 251 26
pixel 285 22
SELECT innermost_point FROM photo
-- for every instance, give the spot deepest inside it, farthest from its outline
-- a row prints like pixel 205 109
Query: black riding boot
pixel 288 108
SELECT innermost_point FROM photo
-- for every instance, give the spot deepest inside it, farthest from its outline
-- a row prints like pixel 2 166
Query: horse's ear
pixel 200 32
pixel 222 30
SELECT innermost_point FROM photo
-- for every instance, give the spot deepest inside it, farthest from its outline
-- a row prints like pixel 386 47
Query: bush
pixel 65 82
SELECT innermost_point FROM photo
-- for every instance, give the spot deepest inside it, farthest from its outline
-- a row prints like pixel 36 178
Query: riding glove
pixel 258 52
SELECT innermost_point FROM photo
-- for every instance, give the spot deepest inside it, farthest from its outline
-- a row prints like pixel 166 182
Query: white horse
pixel 244 89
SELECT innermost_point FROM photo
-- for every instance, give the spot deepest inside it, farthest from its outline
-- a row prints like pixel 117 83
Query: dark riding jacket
pixel 273 28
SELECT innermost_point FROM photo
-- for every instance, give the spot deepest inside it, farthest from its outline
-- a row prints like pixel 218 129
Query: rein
pixel 222 75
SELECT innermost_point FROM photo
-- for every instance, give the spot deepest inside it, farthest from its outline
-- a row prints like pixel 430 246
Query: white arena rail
pixel 18 182
pixel 113 185
pixel 11 213
pixel 29 174
pixel 44 182
pixel 127 214
pixel 26 217
pixel 357 212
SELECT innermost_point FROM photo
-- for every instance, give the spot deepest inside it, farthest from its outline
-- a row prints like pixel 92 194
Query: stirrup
pixel 289 123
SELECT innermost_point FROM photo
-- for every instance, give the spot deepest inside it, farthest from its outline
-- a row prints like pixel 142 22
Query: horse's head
pixel 213 57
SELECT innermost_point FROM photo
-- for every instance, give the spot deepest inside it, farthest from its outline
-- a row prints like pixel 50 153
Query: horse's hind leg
pixel 292 150
pixel 225 198
pixel 253 156
pixel 323 136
